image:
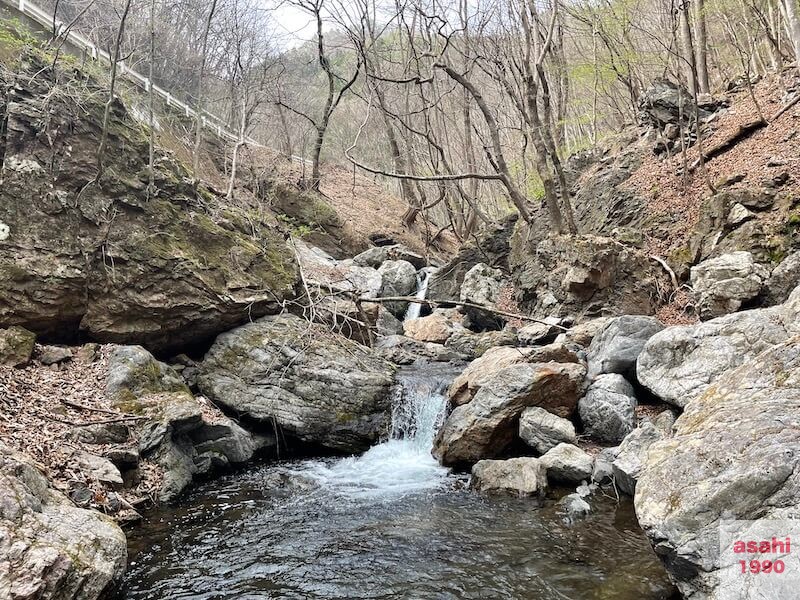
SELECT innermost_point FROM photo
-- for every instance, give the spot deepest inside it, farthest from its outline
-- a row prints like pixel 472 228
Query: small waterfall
pixel 423 277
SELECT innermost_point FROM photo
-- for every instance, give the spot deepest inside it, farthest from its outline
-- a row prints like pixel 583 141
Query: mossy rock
pixel 16 346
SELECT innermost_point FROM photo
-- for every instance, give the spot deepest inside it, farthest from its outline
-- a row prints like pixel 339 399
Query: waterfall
pixel 402 464
pixel 414 308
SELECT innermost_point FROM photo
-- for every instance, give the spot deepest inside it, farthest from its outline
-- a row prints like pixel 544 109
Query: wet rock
pixel 436 327
pixel 574 506
pixel 52 355
pixel 51 549
pixel 16 346
pixel 735 454
pixel 312 385
pixel 467 384
pixel 631 456
pixel 399 279
pixel 567 463
pixel 681 362
pixel 482 285
pixel 542 430
pixel 784 278
pixel 484 427
pixel 721 285
pixel 607 411
pixel 617 346
pixel 520 476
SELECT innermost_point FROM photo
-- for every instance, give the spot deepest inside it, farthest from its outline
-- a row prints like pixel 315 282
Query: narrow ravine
pixel 391 523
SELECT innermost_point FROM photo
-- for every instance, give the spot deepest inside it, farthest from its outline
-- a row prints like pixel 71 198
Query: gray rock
pixel 567 463
pixel 123 457
pixel 387 323
pixel 574 506
pixel 539 333
pixel 402 350
pixel 16 346
pixel 482 285
pixel 632 455
pixel 313 385
pixel 583 333
pixel 489 423
pixel 604 465
pixel 521 476
pixel 542 430
pixel 664 422
pixel 738 214
pixel 52 355
pixel 474 345
pixel 722 284
pixel 328 274
pixel 399 278
pixel 98 468
pixel 784 278
pixel 607 411
pixel 132 370
pixel 681 362
pixel 376 256
pixel 735 454
pixel 617 346
pixel 51 549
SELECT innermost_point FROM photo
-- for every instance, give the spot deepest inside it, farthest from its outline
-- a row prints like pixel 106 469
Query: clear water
pixel 414 308
pixel 391 523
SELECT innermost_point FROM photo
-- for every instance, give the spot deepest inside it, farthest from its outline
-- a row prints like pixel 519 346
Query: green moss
pixel 15 42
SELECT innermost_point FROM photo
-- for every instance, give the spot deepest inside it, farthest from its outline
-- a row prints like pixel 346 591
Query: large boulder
pixel 722 284
pixel 680 363
pixel 582 277
pixel 101 257
pixel 437 327
pixel 631 456
pixel 50 549
pixel 328 275
pixel 484 427
pixel 467 384
pixel 482 285
pixel 306 381
pixel 566 463
pixel 374 257
pixel 16 346
pixel 617 346
pixel 542 430
pixel 522 476
pixel 784 278
pixel 607 411
pixel 402 350
pixel 735 454
pixel 399 279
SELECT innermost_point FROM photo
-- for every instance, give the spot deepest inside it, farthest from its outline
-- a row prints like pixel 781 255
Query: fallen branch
pixel 667 268
pixel 106 411
pixel 436 303
pixel 742 132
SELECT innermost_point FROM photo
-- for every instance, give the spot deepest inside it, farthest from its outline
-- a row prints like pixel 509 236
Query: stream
pixel 391 523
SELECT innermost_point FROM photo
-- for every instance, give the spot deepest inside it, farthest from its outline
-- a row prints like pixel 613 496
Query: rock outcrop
pixel 607 411
pixel 521 476
pixel 309 383
pixel 735 454
pixel 49 548
pixel 484 427
pixel 722 284
pixel 784 278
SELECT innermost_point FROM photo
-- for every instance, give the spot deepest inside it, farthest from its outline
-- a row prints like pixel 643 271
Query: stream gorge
pixel 390 523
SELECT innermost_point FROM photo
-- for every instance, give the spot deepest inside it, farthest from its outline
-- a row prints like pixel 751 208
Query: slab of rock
pixel 399 279
pixel 617 346
pixel 16 346
pixel 542 430
pixel 313 385
pixel 520 476
pixel 735 454
pixel 436 327
pixel 329 274
pixel 631 456
pixel 539 333
pixel 484 427
pixel 566 463
pixel 784 278
pixel 387 323
pixel 681 362
pixel 374 257
pixel 51 549
pixel 482 285
pixel 583 333
pixel 607 411
pixel 722 284
pixel 98 468
pixel 402 350
pixel 467 384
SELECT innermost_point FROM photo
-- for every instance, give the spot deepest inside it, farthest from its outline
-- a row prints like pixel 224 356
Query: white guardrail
pixel 83 43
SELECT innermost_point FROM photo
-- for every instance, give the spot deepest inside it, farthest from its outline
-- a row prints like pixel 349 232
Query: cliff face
pixel 105 257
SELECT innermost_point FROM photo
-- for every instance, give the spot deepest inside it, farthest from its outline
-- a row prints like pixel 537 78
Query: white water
pixel 423 277
pixel 403 464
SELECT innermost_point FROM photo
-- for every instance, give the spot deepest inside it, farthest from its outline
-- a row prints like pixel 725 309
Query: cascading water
pixel 423 277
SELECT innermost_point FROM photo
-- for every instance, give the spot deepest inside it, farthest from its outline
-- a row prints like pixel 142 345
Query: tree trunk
pixel 688 49
pixel 702 46
pixel 793 24
pixel 198 132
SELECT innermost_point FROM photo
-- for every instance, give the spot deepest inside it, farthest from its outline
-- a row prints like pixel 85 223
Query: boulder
pixel 53 355
pixel 16 346
pixel 722 284
pixel 582 277
pixel 603 470
pixel 574 506
pixel 374 257
pixel 679 363
pixel 583 333
pixel 306 381
pixel 784 278
pixel 520 476
pixel 617 346
pixel 474 345
pixel 484 427
pixel 133 372
pixel 98 468
pixel 322 271
pixel 607 411
pixel 467 384
pixel 566 463
pixel 735 454
pixel 399 279
pixel 541 332
pixel 631 456
pixel 402 350
pixel 542 430
pixel 482 285
pixel 437 327
pixel 387 323
pixel 51 549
